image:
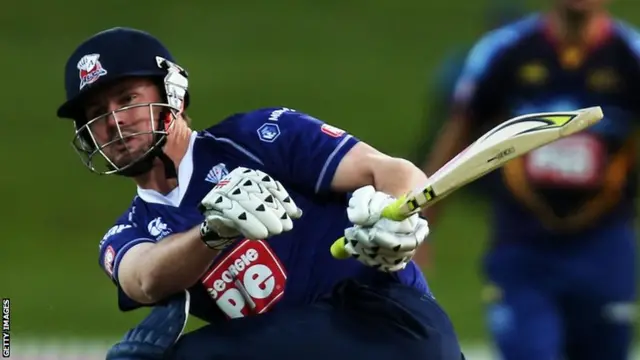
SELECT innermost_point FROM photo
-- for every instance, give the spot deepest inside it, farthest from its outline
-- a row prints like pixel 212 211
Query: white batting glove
pixel 247 203
pixel 381 243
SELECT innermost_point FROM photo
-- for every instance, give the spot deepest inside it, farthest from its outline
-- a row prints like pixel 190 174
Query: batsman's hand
pixel 246 203
pixel 378 242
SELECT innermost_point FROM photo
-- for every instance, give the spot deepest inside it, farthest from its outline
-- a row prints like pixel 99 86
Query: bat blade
pixel 512 138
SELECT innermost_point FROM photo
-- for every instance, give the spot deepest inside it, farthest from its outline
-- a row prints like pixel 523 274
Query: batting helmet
pixel 105 57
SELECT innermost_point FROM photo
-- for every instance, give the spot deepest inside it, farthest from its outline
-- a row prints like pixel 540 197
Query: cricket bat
pixel 512 138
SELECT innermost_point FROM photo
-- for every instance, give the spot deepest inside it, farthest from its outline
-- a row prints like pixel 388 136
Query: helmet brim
pixel 72 108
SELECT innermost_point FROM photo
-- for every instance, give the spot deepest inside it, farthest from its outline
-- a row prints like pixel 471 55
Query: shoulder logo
pixel 90 69
pixel 269 132
pixel 332 130
pixel 275 115
pixel 114 231
pixel 109 257
pixel 158 228
pixel 217 173
pixel 132 212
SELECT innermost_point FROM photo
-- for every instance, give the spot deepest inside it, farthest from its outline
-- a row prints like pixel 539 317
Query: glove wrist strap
pixel 212 239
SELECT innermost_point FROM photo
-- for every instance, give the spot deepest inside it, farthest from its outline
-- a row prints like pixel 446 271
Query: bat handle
pixel 338 251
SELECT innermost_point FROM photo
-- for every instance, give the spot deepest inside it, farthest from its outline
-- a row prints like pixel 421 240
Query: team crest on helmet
pixel 90 69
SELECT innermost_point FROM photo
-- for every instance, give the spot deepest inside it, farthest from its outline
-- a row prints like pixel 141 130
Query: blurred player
pixel 562 261
pixel 440 94
pixel 440 97
pixel 218 212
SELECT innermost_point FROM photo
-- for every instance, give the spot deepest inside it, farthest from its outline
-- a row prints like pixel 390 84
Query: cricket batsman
pixel 233 224
pixel 562 259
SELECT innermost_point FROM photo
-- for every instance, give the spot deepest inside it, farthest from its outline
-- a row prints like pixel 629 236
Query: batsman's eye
pixel 128 98
pixel 94 112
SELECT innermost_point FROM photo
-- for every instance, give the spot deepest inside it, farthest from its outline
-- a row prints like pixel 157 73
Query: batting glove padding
pixel 246 203
pixel 377 242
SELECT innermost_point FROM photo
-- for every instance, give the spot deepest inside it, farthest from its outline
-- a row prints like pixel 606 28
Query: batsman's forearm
pixel 175 264
pixel 397 176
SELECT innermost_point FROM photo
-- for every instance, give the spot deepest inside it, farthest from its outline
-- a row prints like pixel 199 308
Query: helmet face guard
pixel 108 143
pixel 116 154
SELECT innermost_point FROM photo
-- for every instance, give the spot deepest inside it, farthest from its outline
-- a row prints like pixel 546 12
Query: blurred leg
pixel 600 311
pixel 525 325
pixel 591 336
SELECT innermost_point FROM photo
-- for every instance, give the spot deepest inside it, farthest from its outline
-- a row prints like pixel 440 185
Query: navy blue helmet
pixel 103 59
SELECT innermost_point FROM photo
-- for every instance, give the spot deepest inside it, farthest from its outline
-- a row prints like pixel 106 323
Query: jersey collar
pixel 572 56
pixel 599 31
pixel 185 170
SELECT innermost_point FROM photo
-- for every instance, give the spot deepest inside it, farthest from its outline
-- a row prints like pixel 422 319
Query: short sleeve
pixel 294 147
pixel 121 237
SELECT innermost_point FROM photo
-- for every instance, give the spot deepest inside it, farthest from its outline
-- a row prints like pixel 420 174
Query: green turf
pixel 361 65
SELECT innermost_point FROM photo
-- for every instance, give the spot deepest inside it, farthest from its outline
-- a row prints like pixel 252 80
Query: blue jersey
pixel 577 183
pixel 254 277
